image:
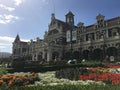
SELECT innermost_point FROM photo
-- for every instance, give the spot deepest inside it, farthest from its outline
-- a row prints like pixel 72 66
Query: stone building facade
pixel 64 40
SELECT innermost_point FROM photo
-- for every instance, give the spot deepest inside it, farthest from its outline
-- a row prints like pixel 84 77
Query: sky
pixel 30 18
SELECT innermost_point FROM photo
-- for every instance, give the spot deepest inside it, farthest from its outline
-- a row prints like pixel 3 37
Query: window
pixel 71 19
pixel 82 38
pixel 93 37
pixel 100 23
pixel 68 35
pixel 114 33
pixel 87 36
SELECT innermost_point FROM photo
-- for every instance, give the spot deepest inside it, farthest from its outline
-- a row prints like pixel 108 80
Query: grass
pixel 65 87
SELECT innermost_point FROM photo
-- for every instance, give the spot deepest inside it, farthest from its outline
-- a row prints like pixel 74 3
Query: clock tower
pixel 70 18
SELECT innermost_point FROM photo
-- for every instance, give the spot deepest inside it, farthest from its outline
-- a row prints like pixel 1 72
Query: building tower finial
pixel 52 16
pixel 17 39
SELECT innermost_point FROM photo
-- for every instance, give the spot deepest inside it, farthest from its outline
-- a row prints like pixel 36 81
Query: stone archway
pixel 45 56
pixel 98 54
pixel 76 55
pixel 67 55
pixel 112 51
pixel 55 55
pixel 40 56
pixel 86 54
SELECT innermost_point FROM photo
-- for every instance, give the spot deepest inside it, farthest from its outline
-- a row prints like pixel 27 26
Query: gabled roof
pixel 65 25
pixel 17 39
pixel 69 13
pixel 113 19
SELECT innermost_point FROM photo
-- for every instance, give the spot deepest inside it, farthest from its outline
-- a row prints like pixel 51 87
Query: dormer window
pixel 80 26
pixel 100 21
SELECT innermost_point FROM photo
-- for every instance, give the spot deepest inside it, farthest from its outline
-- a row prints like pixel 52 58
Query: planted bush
pixel 71 73
pixel 3 71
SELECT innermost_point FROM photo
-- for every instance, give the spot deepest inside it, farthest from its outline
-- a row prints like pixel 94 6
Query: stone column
pixel 43 55
pixel 36 57
pixel 90 57
pixel 61 54
pixel 95 35
pixel 33 57
pixel 49 54
pixel 107 33
pixel 84 37
pixel 118 52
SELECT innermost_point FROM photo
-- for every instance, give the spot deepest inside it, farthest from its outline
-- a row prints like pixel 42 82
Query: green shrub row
pixel 71 73
pixel 64 87
pixel 44 68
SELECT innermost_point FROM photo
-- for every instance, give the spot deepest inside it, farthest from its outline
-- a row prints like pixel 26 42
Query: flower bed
pixel 18 79
pixel 82 76
pixel 109 78
pixel 49 78
pixel 109 75
pixel 114 66
pixel 50 82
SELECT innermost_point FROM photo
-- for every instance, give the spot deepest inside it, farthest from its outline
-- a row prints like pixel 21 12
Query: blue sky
pixel 30 18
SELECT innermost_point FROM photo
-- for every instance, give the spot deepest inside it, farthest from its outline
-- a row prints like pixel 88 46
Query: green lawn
pixel 65 87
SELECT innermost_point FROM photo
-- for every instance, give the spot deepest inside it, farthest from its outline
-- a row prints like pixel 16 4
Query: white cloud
pixel 18 2
pixel 45 1
pixel 6 43
pixel 8 18
pixel 7 8
pixel 5 40
pixel 5 19
pixel 2 47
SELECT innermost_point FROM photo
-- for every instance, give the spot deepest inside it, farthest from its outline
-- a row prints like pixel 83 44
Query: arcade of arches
pixel 55 55
pixel 96 54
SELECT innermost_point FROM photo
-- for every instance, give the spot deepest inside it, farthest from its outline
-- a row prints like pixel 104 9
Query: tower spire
pixel 17 39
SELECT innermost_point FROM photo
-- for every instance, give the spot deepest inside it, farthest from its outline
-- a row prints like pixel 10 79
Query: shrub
pixel 3 71
pixel 61 62
pixel 71 73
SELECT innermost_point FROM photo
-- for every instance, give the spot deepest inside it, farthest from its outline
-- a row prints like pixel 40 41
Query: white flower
pixel 49 78
pixel 115 70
